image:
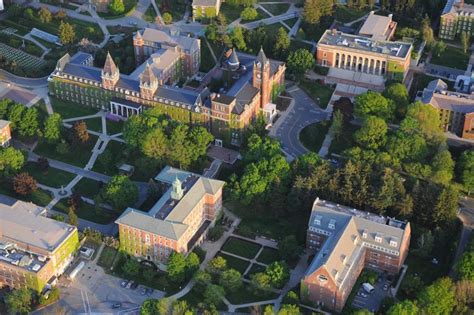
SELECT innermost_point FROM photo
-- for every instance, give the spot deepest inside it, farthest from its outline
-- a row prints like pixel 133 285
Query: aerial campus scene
pixel 237 157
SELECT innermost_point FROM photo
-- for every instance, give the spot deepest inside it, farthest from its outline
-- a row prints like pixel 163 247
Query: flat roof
pixel 23 222
pixel 358 42
pixel 377 26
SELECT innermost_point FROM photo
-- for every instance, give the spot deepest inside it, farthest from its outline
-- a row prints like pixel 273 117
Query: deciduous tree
pixel 131 267
pixel 116 7
pixel 29 124
pixel 248 14
pixel 177 267
pixel 72 216
pixel 373 133
pixel 373 103
pixel 121 192
pixel 80 135
pixel 213 294
pixel 67 34
pixel 52 128
pixel 45 15
pixel 11 160
pixel 231 280
pixel 300 61
pixel 282 43
pixel 24 184
pixel 19 301
pixel 438 298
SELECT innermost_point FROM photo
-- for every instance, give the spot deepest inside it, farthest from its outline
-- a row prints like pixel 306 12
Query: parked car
pixel 134 285
pixel 385 287
pixel 362 294
pixel 117 305
pixel 123 283
pixel 129 285
pixel 149 291
pixel 143 291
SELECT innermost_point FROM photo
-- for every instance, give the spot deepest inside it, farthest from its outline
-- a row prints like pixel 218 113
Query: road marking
pixel 83 302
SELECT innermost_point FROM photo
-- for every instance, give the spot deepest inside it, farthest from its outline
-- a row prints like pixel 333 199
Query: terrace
pixel 10 253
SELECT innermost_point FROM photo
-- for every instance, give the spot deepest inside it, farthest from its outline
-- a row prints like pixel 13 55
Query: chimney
pixel 390 16
pixel 372 12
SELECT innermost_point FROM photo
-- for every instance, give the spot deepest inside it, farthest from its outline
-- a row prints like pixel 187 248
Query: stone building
pixel 177 222
pixel 457 17
pixel 456 110
pixel 346 241
pixel 226 115
pixel 5 133
pixel 34 250
pixel 206 9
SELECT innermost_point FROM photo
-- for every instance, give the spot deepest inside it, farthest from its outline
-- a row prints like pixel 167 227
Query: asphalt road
pixel 304 112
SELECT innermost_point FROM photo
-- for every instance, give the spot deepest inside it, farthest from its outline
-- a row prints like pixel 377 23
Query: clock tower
pixel 261 77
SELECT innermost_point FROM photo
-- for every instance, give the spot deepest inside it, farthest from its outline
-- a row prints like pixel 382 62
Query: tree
pixel 405 307
pixel 279 273
pixel 73 219
pixel 465 41
pixel 282 43
pixel 289 309
pixel 116 7
pixel 465 168
pixel 373 103
pixel 19 301
pixel 438 298
pixel 192 263
pixel 179 146
pixel 155 144
pixel 248 14
pixel 29 124
pixel 291 298
pixel 337 124
pixel 446 207
pixel 52 128
pixel 24 184
pixel 362 312
pixel 373 133
pixel 300 61
pixel 66 33
pixel 199 139
pixel 442 167
pixel 237 37
pixel 80 135
pixel 397 92
pixel 217 265
pixel 15 114
pixel 43 164
pixel 11 160
pixel 61 15
pixel 121 192
pixel 465 266
pixel 288 248
pixel 231 280
pixel 131 267
pixel 260 282
pixel 439 47
pixel 180 308
pixel 315 9
pixel 213 294
pixel 429 124
pixel 427 31
pixel 45 15
pixel 176 267
pixel 167 18
pixel 464 296
pixel 202 278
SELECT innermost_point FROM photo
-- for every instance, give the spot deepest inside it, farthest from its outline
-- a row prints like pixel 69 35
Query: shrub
pixel 215 233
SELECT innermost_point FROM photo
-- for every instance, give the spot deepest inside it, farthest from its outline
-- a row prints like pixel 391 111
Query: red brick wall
pixel 468 129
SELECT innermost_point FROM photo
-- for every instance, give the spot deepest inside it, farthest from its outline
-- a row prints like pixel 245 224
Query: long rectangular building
pixel 346 241
pixel 457 17
pixel 34 249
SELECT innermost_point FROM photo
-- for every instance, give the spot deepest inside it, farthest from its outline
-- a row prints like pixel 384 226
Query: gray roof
pixel 171 225
pixel 437 94
pixel 24 223
pixel 3 123
pixel 452 6
pixel 205 3
pixel 82 71
pixel 125 82
pixel 346 240
pixel 176 94
pixel 160 36
pixel 377 26
pixel 80 58
pixel 244 97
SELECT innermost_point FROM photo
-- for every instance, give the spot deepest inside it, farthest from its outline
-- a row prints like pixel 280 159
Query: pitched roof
pixel 261 58
pixel 233 59
pixel 437 95
pixel 83 71
pixel 109 67
pixel 147 76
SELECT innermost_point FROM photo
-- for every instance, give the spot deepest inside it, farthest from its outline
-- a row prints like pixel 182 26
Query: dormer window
pixel 365 234
pixel 317 220
pixel 332 224
pixel 323 278
pixel 378 238
pixel 393 242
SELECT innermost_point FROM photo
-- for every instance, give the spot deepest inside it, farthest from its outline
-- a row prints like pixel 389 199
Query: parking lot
pixel 94 291
pixel 372 301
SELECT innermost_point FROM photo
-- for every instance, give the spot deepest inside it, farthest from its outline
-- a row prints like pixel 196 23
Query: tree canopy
pixel 121 192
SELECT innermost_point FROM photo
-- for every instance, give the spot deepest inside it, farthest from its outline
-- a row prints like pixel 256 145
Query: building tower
pixel 138 44
pixel 177 190
pixel 261 77
pixel 148 83
pixel 110 73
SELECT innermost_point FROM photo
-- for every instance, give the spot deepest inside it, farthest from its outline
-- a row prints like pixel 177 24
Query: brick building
pixel 34 249
pixel 457 17
pixel 346 241
pixel 456 110
pixel 177 222
pixel 253 86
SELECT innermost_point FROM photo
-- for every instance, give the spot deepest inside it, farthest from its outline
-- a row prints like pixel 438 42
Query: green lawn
pixel 150 14
pixel 114 127
pixel 177 9
pixel 87 212
pixel 320 93
pixel 207 61
pixel 344 14
pixel 234 262
pixel 78 155
pixel 241 247
pixel 107 257
pixel 276 8
pixel 345 140
pixel 94 124
pixel 70 110
pixel 88 187
pixel 268 255
pixel 246 295
pixel 230 12
pixel 118 29
pixel 40 197
pixel 452 57
pixel 312 136
pixel 195 297
pixel 291 22
pixel 130 5
pixel 255 269
pixel 114 149
pixel 53 177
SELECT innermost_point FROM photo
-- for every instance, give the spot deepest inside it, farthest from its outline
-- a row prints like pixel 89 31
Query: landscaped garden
pixel 320 93
pixel 70 109
pixel 268 255
pixel 88 187
pixel 88 212
pixel 235 263
pixel 39 197
pixel 312 136
pixel 241 247
pixel 51 177
pixel 276 8
pixel 344 14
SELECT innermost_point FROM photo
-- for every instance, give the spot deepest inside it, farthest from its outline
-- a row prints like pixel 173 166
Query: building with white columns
pixel 360 54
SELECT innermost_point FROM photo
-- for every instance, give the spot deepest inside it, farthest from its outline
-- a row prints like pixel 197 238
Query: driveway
pixel 373 300
pixel 94 291
pixel 304 112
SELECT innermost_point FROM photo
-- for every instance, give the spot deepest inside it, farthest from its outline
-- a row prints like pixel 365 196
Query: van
pixel 368 287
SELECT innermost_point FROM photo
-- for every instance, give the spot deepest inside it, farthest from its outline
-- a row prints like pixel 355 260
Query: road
pixel 304 112
pixel 22 81
pixel 466 215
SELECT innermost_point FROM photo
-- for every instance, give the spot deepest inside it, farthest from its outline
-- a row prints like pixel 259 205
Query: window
pixel 147 238
pixel 332 224
pixel 378 238
pixel 317 220
pixel 393 242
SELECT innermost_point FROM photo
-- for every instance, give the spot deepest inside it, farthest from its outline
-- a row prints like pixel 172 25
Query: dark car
pixel 117 305
pixel 149 291
pixel 123 283
pixel 143 291
pixel 134 286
